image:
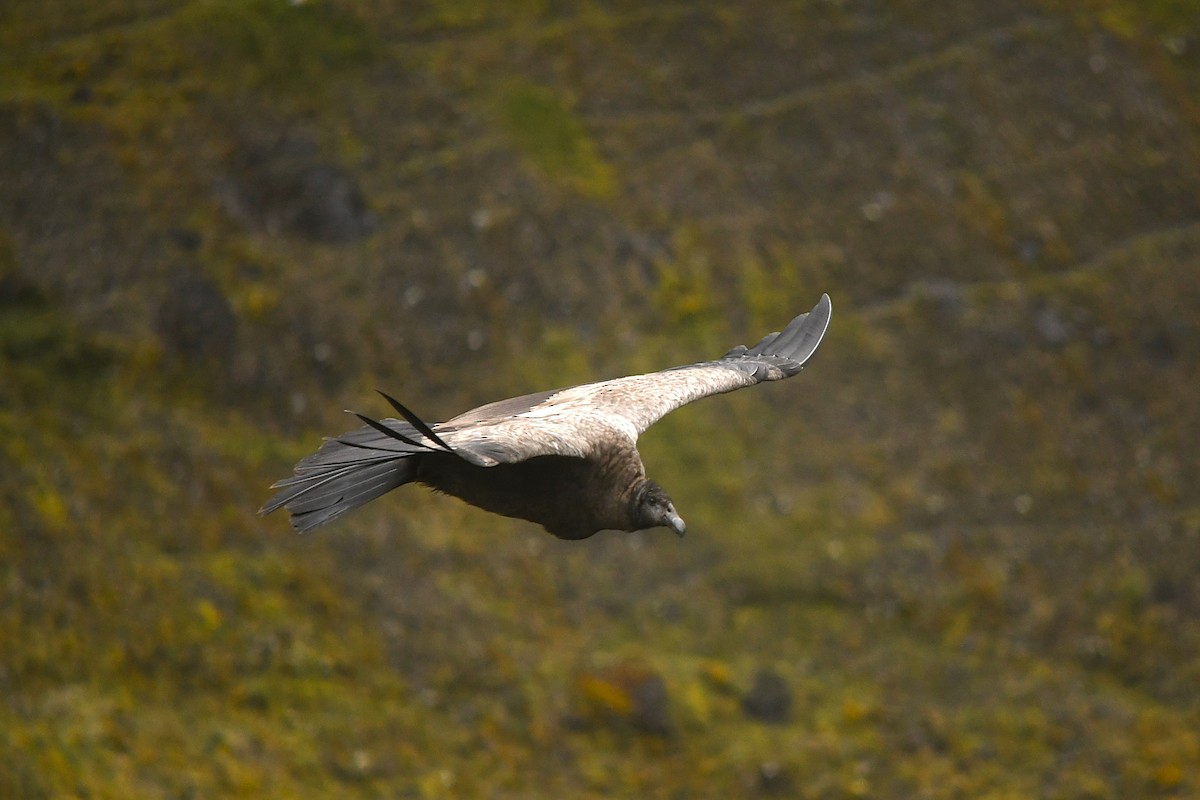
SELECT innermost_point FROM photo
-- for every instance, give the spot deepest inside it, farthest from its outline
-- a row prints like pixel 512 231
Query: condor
pixel 566 459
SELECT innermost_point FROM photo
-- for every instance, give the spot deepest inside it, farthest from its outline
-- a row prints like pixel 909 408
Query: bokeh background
pixel 958 557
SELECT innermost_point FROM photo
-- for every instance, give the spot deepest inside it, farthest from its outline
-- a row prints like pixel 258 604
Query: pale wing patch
pixel 642 400
pixel 576 421
pixel 544 431
pixel 632 404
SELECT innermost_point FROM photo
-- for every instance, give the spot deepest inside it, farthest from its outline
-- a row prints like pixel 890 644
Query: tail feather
pixel 321 497
pixel 357 445
pixel 349 472
pixel 314 513
pixel 322 491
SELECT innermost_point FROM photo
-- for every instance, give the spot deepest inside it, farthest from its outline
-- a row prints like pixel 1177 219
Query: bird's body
pixel 566 459
pixel 564 504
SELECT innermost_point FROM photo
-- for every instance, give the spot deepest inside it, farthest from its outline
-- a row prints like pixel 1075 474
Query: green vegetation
pixel 546 131
pixel 964 541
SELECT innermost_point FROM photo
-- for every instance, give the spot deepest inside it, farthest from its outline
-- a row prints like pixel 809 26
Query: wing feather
pixel 579 420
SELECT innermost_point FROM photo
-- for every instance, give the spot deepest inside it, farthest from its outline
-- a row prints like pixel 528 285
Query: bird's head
pixel 652 508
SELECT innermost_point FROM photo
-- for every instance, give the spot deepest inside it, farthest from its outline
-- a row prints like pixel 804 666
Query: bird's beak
pixel 677 524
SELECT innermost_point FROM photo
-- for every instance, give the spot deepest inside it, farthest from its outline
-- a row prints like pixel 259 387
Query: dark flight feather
pixel 386 431
pixel 565 458
pixel 415 421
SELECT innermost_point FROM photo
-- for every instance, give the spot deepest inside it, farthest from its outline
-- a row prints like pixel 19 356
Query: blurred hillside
pixel 959 556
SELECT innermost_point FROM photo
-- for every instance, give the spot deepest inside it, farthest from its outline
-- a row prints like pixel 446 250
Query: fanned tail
pixel 353 469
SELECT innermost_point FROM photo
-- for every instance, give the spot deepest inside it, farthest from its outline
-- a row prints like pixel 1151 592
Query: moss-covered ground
pixel 965 542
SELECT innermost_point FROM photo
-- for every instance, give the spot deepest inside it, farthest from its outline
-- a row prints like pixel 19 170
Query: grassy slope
pixel 966 537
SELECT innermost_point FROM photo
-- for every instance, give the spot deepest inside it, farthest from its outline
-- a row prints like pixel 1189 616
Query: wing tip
pixel 802 336
pixel 823 312
pixel 811 331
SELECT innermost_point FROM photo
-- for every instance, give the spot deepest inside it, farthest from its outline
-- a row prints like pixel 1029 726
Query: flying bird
pixel 566 459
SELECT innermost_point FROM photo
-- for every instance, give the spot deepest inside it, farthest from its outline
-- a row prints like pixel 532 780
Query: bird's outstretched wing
pixel 579 420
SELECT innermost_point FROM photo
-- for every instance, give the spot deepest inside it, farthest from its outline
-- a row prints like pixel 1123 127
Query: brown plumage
pixel 566 459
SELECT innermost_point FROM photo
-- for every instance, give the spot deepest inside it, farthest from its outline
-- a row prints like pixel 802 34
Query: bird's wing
pixel 580 420
pixel 558 425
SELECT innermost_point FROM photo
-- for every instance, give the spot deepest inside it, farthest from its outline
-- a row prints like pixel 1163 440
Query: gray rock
pixel 769 698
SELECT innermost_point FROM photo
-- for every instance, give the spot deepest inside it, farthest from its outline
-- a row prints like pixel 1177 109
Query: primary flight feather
pixel 566 459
